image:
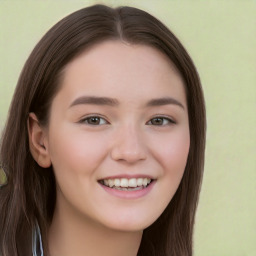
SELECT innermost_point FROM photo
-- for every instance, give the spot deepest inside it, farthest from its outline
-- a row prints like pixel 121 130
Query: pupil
pixel 94 120
pixel 157 121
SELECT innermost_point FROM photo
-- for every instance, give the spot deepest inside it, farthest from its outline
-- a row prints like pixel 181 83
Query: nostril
pixel 118 154
pixel 128 145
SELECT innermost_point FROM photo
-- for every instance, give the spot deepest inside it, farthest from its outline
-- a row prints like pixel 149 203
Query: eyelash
pixel 166 121
pixel 85 120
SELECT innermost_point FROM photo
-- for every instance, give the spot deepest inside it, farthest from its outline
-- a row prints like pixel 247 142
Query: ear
pixel 38 143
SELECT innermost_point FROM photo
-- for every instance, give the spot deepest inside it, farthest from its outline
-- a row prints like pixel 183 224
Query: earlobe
pixel 38 142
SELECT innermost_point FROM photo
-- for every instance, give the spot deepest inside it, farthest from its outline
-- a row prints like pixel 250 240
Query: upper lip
pixel 127 176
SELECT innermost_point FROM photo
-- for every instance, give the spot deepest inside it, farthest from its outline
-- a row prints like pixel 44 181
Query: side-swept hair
pixel 30 195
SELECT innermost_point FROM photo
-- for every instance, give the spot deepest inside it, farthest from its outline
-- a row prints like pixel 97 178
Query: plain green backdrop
pixel 221 38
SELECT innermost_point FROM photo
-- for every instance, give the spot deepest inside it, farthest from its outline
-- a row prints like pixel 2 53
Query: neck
pixel 77 235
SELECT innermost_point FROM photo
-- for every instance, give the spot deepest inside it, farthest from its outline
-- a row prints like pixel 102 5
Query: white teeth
pixel 123 183
pixel 139 182
pixel 117 182
pixel 132 183
pixel 111 183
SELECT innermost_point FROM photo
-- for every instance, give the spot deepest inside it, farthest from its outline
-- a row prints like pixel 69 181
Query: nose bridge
pixel 129 144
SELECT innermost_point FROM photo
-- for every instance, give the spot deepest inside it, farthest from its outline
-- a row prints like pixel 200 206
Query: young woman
pixel 104 145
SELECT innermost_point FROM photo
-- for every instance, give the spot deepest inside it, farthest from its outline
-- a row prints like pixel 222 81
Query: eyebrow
pixel 93 100
pixel 164 101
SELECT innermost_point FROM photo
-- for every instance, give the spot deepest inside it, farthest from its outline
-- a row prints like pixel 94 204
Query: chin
pixel 129 224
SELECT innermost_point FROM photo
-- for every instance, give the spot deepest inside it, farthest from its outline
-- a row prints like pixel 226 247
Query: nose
pixel 128 146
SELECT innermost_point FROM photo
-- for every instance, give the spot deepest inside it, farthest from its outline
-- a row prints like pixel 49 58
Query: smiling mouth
pixel 126 184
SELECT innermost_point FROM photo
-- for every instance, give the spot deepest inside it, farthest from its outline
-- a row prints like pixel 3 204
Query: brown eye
pixel 94 120
pixel 160 121
pixel 157 121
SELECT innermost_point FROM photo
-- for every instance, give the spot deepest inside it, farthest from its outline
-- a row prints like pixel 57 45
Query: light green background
pixel 221 38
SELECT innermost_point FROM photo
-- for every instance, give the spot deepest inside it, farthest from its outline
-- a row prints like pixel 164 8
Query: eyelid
pixel 164 117
pixel 83 119
pixel 170 120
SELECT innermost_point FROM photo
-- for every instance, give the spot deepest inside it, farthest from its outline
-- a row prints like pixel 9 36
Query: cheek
pixel 172 152
pixel 176 155
pixel 172 156
pixel 76 153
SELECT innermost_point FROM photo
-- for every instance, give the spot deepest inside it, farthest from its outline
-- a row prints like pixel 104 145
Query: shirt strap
pixel 37 246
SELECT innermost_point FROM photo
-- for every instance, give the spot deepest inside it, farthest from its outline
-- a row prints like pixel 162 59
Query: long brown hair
pixel 29 197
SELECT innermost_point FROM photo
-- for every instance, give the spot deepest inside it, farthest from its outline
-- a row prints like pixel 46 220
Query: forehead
pixel 115 51
pixel 122 69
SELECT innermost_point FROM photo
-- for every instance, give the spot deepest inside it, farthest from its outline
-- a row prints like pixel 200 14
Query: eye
pixel 160 121
pixel 94 120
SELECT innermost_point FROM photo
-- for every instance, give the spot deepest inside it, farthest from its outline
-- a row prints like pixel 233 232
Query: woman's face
pixel 119 122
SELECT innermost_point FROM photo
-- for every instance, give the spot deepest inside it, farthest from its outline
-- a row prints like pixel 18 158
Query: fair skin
pixel 139 133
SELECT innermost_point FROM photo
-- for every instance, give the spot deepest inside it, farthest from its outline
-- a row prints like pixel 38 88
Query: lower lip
pixel 132 194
